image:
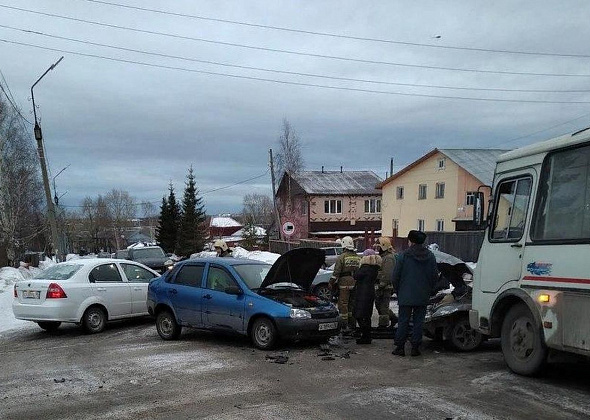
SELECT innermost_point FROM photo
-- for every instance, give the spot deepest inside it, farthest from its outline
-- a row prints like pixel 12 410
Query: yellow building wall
pixel 409 209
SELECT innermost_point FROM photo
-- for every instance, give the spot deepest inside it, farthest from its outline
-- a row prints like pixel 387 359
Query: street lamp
pixel 39 138
pixel 56 199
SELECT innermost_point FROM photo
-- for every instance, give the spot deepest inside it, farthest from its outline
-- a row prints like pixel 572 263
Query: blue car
pixel 247 297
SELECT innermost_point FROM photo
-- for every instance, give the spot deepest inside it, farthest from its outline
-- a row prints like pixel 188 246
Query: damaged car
pixel 447 315
pixel 247 297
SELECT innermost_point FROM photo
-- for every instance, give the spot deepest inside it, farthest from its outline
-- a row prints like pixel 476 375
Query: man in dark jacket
pixel 414 278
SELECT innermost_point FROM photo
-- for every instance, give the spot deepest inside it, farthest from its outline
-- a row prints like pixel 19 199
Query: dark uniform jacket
pixel 365 277
pixel 415 276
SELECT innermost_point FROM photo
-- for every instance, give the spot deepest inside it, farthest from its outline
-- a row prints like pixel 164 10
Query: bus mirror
pixel 478 209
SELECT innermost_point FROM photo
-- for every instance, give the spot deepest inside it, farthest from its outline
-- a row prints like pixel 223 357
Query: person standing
pixel 344 268
pixel 384 286
pixel 414 279
pixel 364 293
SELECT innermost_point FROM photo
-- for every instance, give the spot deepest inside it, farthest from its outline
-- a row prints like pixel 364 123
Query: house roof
pixel 224 222
pixel 480 163
pixel 338 183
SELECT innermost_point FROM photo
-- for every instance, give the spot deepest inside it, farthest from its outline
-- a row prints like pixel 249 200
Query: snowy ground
pixel 9 276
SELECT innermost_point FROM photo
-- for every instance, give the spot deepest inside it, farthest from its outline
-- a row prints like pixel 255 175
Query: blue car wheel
pixel 263 334
pixel 167 326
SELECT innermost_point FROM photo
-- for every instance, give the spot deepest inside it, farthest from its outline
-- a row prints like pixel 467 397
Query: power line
pixel 12 101
pixel 201 194
pixel 290 83
pixel 543 130
pixel 297 53
pixel 334 35
pixel 348 79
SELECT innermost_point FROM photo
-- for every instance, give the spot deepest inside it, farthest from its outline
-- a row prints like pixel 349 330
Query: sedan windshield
pixel 253 274
pixel 148 253
pixel 59 272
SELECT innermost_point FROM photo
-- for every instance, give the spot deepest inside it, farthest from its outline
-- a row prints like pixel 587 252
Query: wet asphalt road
pixel 129 372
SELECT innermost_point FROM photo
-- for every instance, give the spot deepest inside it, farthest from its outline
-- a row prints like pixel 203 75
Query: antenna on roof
pixel 322 168
pixel 341 169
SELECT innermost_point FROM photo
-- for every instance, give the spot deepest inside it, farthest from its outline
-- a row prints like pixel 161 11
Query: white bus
pixel 532 282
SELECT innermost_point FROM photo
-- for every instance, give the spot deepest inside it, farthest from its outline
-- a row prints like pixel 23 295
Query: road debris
pixel 280 358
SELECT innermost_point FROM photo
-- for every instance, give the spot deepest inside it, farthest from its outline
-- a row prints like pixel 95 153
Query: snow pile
pixel 46 263
pixel 203 254
pixel 258 231
pixel 264 256
pixel 70 257
pixel 9 276
pixel 141 245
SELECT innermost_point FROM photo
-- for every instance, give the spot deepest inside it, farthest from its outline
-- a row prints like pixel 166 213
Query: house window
pixel 303 208
pixel 441 163
pixel 399 194
pixel 422 192
pixel 421 225
pixel 440 225
pixel 470 198
pixel 440 190
pixel 333 206
pixel 373 205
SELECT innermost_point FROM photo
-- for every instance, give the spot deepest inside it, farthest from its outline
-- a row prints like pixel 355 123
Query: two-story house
pixel 436 192
pixel 330 203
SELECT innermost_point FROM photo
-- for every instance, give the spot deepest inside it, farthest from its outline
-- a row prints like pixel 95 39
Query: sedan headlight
pixel 300 314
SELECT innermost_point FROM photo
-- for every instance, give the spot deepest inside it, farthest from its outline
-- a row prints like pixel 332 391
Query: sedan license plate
pixel 31 294
pixel 328 326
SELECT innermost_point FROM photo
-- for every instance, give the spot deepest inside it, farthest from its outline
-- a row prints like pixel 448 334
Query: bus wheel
pixel 522 342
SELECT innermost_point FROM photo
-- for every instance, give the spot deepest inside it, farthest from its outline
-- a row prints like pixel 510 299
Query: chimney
pixel 391 166
pixel 322 169
pixel 341 169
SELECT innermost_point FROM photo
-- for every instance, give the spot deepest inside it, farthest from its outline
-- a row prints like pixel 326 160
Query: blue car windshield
pixel 252 274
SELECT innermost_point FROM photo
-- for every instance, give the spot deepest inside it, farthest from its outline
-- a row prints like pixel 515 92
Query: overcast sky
pixel 135 127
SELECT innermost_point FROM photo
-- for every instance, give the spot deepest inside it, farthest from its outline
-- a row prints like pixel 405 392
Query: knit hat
pixel 369 251
pixel 416 237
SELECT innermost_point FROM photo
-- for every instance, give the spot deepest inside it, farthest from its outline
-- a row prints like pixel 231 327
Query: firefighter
pixel 346 265
pixel 221 248
pixel 384 286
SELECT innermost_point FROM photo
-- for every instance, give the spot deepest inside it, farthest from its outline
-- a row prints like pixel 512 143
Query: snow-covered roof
pixel 258 231
pixel 338 183
pixel 223 222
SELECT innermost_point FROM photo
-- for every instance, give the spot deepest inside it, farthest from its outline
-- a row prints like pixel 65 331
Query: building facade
pixel 436 192
pixel 330 204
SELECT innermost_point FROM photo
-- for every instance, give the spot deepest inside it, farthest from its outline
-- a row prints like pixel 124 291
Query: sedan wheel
pixel 167 326
pixel 49 325
pixel 463 337
pixel 263 333
pixel 94 320
pixel 324 292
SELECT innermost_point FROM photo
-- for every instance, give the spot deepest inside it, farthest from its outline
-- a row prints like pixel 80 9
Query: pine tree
pixel 167 230
pixel 191 235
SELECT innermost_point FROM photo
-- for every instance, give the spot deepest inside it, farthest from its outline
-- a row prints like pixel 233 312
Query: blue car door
pixel 184 292
pixel 222 310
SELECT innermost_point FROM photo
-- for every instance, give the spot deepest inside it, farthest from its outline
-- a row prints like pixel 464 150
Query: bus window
pixel 511 207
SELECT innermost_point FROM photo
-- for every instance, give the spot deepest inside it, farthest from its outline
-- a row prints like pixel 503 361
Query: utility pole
pixel 274 195
pixel 40 149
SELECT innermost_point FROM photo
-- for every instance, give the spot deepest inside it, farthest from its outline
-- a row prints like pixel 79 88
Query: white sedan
pixel 89 292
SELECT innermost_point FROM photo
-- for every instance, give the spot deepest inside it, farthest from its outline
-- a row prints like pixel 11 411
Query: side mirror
pixel 478 209
pixel 233 290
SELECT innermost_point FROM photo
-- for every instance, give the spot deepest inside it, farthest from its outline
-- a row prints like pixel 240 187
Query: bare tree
pixel 121 208
pixel 258 209
pixel 20 186
pixel 289 157
pixel 150 216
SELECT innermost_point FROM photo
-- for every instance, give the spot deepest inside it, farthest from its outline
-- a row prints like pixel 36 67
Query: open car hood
pixel 299 266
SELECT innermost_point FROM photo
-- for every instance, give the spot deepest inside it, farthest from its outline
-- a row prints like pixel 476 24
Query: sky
pixel 425 75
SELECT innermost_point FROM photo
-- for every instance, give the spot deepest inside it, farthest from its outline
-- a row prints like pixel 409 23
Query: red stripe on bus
pixel 557 279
